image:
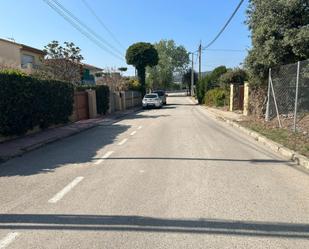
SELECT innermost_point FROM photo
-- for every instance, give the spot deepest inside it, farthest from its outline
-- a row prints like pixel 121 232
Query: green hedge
pixel 26 102
pixel 102 93
pixel 102 96
pixel 201 89
pixel 216 97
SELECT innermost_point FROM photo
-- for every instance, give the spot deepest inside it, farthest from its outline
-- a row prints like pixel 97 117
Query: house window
pixel 26 59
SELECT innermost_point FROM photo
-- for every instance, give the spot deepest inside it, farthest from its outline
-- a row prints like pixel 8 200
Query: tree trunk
pixel 141 78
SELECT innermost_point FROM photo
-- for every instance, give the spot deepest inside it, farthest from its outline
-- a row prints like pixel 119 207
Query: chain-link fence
pixel 288 96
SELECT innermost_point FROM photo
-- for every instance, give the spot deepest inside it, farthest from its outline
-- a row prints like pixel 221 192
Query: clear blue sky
pixel 34 23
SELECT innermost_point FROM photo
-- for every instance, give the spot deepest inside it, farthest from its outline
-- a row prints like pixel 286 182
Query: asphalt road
pixel 170 178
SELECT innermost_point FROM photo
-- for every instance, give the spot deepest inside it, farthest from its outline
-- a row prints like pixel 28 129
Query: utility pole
pixel 192 74
pixel 200 61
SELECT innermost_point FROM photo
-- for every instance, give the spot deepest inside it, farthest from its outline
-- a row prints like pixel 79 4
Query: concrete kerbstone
pixel 287 152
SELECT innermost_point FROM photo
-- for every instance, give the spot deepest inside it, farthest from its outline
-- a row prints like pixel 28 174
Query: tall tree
pixel 61 62
pixel 186 78
pixel 141 55
pixel 209 81
pixel 236 76
pixel 172 59
pixel 280 35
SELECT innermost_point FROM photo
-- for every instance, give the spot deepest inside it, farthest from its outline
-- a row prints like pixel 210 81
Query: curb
pixel 299 159
pixel 73 132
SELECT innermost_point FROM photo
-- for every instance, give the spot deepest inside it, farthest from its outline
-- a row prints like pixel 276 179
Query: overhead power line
pixel 86 27
pixel 225 25
pixel 102 23
pixel 84 31
pixel 225 50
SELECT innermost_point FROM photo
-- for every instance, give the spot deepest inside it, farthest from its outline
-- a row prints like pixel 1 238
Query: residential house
pixel 19 55
pixel 90 74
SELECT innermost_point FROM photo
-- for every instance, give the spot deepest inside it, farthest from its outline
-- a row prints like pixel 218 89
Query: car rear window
pixel 160 93
pixel 151 96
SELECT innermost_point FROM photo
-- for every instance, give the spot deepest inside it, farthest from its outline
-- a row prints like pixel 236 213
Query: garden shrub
pixel 26 102
pixel 216 97
pixel 201 89
pixel 82 88
pixel 102 96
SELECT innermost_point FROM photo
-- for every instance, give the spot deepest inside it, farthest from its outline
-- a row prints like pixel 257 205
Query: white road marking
pixel 140 127
pixel 106 155
pixel 66 189
pixel 133 133
pixel 8 239
pixel 123 141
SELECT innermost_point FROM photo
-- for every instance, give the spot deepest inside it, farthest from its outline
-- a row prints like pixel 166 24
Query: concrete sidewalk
pixel 232 116
pixel 19 146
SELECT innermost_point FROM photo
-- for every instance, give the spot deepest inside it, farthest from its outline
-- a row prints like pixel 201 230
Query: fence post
pixel 296 96
pixel 132 95
pixel 246 99
pixel 92 103
pixel 123 98
pixel 268 96
pixel 275 100
pixel 231 97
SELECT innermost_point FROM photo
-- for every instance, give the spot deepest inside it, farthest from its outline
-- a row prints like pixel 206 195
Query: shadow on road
pixel 80 148
pixel 179 104
pixel 254 161
pixel 151 224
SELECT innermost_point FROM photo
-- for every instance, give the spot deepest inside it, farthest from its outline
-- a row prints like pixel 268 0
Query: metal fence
pixel 288 96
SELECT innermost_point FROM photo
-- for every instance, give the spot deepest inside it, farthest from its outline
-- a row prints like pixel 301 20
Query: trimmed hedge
pixel 216 97
pixel 26 102
pixel 102 96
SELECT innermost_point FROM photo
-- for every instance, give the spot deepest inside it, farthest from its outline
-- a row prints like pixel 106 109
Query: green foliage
pixel 172 59
pixel 280 35
pixel 186 78
pixel 13 71
pixel 175 86
pixel 122 69
pixel 102 96
pixel 27 102
pixel 233 76
pixel 214 77
pixel 209 81
pixel 141 55
pixel 82 88
pixel 216 97
pixel 70 52
pixel 201 89
pixel 133 85
pixel 61 63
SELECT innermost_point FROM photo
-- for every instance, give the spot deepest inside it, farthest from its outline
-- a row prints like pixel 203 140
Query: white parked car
pixel 152 100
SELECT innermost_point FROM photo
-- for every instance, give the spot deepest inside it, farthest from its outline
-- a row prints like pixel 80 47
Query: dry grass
pixel 298 141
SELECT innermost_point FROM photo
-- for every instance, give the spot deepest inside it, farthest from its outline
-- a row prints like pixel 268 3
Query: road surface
pixel 169 178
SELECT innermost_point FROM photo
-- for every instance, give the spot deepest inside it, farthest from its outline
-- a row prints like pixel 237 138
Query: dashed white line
pixel 106 155
pixel 65 190
pixel 8 239
pixel 140 127
pixel 133 133
pixel 123 141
